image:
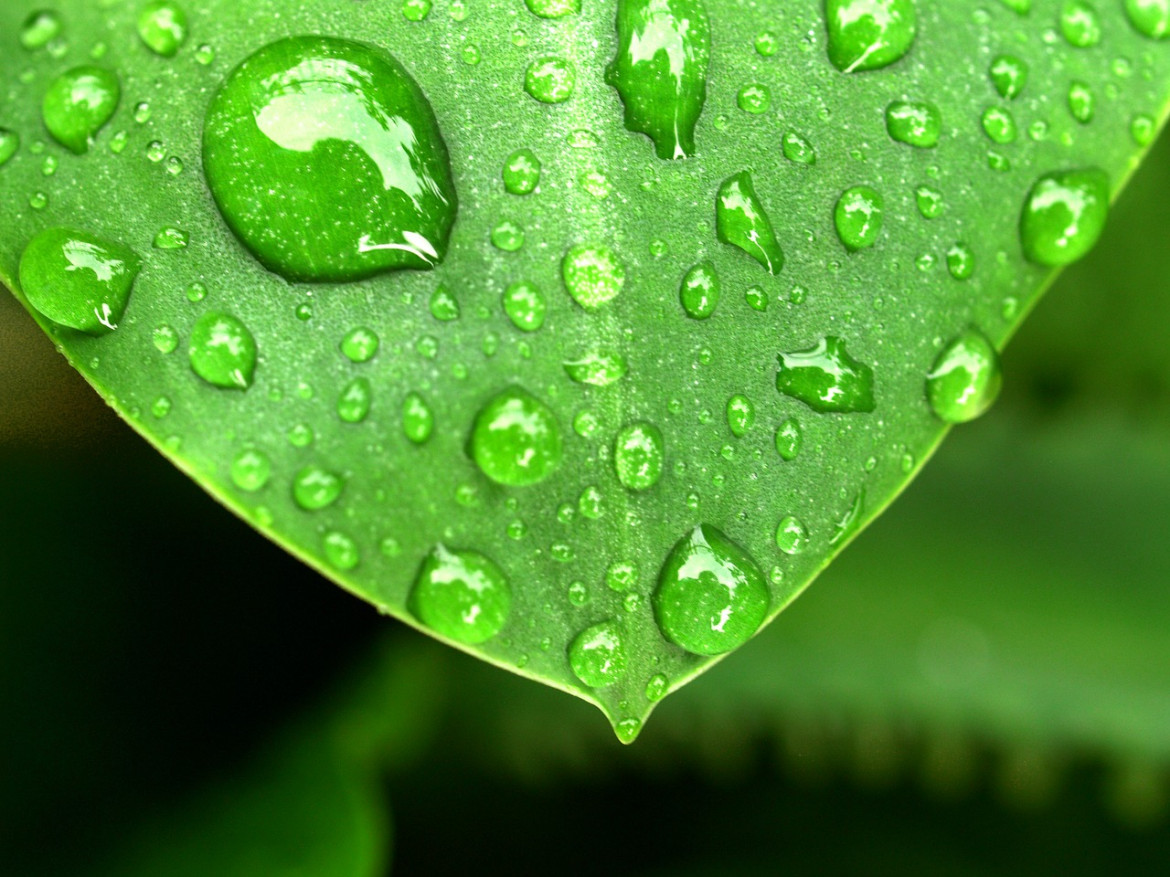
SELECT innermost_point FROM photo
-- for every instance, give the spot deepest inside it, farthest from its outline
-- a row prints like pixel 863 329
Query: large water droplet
pixel 516 440
pixel 639 456
pixel 965 379
pixel 325 158
pixel 915 123
pixel 78 280
pixel 78 103
pixel 826 378
pixel 868 34
pixel 660 70
pixel 162 25
pixel 461 595
pixel 858 217
pixel 699 291
pixel 597 655
pixel 1150 17
pixel 1064 215
pixel 741 221
pixel 222 351
pixel 711 596
pixel 315 488
pixel 592 274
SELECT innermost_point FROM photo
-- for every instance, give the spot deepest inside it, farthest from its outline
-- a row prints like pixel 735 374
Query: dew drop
pixel 600 367
pixel 78 104
pixel 553 8
pixel 657 687
pixel 621 575
pixel 326 160
pixel 550 79
pixel 521 172
pixel 597 655
pixel 444 306
pixel 756 298
pixel 965 379
pixel 171 238
pixel 627 730
pixel 1149 17
pixel 660 70
pixel 204 54
pixel 755 99
pixel 797 149
pixel 699 291
pixel 1081 102
pixel 9 144
pixel 1080 24
pixel 222 351
pixel 960 261
pixel 353 405
pixel 592 274
pixel 791 536
pixel 741 221
pixel 999 125
pixel 711 596
pixel 78 280
pixel 826 378
pixel 1064 215
pixel 869 34
pixel 741 415
pixel 858 217
pixel 1009 75
pixel 1141 128
pixel 639 456
pixel 315 488
pixel 789 439
pixel 165 338
pixel 160 407
pixel 360 344
pixel 416 10
pixel 929 201
pixel 162 26
pixel 507 236
pixel 461 595
pixel 418 421
pixel 251 469
pixel 340 550
pixel 516 440
pixel 39 29
pixel 590 503
pixel 915 123
pixel 849 522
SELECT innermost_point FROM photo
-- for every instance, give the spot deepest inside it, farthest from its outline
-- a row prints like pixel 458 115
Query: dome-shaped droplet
pixel 353 405
pixel 789 439
pixel 1064 215
pixel 360 344
pixel 1149 17
pixel 754 98
pixel 315 488
pixel 77 279
pixel 550 79
pixel 699 291
pixel 960 261
pixel 600 367
pixel 741 415
pixel 516 440
pixel 915 123
pixel 965 379
pixel 869 34
pixel 592 274
pixel 461 595
pixel 858 217
pixel 639 456
pixel 78 103
pixel 999 125
pixel 521 172
pixel 553 8
pixel 711 596
pixel 325 158
pixel 222 351
pixel 741 221
pixel 598 655
pixel 340 550
pixel 797 149
pixel 251 468
pixel 525 305
pixel 1081 102
pixel 791 535
pixel 162 25
pixel 1009 75
pixel 657 687
pixel 1080 24
pixel 826 378
pixel 660 70
pixel 9 143
pixel 40 28
pixel 418 421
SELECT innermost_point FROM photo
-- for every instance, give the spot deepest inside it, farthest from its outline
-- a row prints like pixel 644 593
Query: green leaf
pixel 711 350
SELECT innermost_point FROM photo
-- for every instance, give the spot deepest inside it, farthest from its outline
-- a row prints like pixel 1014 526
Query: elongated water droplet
pixel 325 159
pixel 915 123
pixel 1080 24
pixel 592 274
pixel 1009 75
pixel 9 143
pixel 40 28
pixel 999 125
pixel 171 238
pixel 77 279
pixel 353 405
pixel 797 149
pixel 791 536
pixel 521 172
pixel 826 378
pixel 965 379
pixel 657 687
pixel 600 368
pixel 660 70
pixel 858 217
pixel 461 595
pixel 789 440
pixel 741 415
pixel 418 421
pixel 525 306
pixel 78 104
pixel 553 8
pixel 699 291
pixel 639 456
pixel 550 79
pixel 516 440
pixel 1064 215
pixel 1149 17
pixel 741 221
pixel 598 655
pixel 869 34
pixel 222 351
pixel 929 201
pixel 711 596
pixel 315 488
pixel 1081 102
pixel 849 522
pixel 162 25
pixel 960 261
pixel 251 468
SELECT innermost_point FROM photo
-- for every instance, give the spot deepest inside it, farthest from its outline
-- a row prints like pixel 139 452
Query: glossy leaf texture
pixel 419 297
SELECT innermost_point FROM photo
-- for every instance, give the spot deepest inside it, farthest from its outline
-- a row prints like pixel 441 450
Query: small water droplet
pixel 461 595
pixel 1009 75
pixel 1080 24
pixel 78 104
pixel 869 34
pixel 251 469
pixel 597 655
pixel 204 54
pixel 444 306
pixel 639 456
pixel 756 298
pixel 600 367
pixel 525 305
pixel 590 503
pixel 196 292
pixel 915 123
pixel 1141 128
pixel 621 575
pixel 553 8
pixel 550 79
pixel 340 550
pixel 1064 215
pixel 521 172
pixel 965 379
pixel 418 421
pixel 741 221
pixel 160 407
pixel 9 144
pixel 171 238
pixel 315 488
pixel 1081 102
pixel 155 151
pixel 699 291
pixel 416 10
pixel 789 439
pixel 858 217
pixel 516 440
pixel 741 415
pixel 166 339
pixel 849 522
pixel 827 378
pixel 353 405
pixel 39 29
pixel 507 236
pixel 360 344
pixel 797 149
pixel 961 261
pixel 929 201
pixel 999 125
pixel 592 274
pixel 162 26
pixel 222 351
pixel 791 536
pixel 301 435
pixel 754 98
pixel 657 687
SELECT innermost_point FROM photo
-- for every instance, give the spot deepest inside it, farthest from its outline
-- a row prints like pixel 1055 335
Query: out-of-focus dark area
pixel 980 685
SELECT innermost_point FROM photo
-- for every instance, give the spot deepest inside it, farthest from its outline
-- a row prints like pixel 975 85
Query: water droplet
pixel 461 595
pixel 416 10
pixel 578 594
pixel 1064 215
pixel 315 488
pixel 553 8
pixel 353 405
pixel 1080 102
pixel 360 344
pixel 525 306
pixel 550 79
pixel 250 470
pixel 711 596
pixel 869 34
pixel 196 292
pixel 657 687
pixel 78 280
pixel 741 415
pixel 858 217
pixel 791 536
pixel 585 424
pixel 965 379
pixel 596 184
pixel 915 123
pixel 39 29
pixel 1149 17
pixel 638 456
pixel 960 261
pixel 590 503
pixel 49 165
pixel 521 172
pixel 826 378
pixel 597 655
pixel 38 201
pixel 78 104
pixel 797 149
pixel 516 440
pixel 418 421
pixel 592 275
pixel 767 44
pixel 340 550
pixel 507 236
pixel 789 440
pixel 162 25
pixel 166 339
pixel 929 201
pixel 444 307
pixel 620 576
pixel 222 351
pixel 204 54
pixel 754 98
pixel 1079 24
pixel 325 159
pixel 699 291
pixel 660 70
pixel 301 435
pixel 600 368
pixel 1141 128
pixel 155 151
pixel 756 298
pixel 849 522
pixel 160 407
pixel 999 125
pixel 741 221
pixel 9 144
pixel 1009 75
pixel 174 165
pixel 170 239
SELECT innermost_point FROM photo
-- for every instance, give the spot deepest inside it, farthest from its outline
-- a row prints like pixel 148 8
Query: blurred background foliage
pixel 980 684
